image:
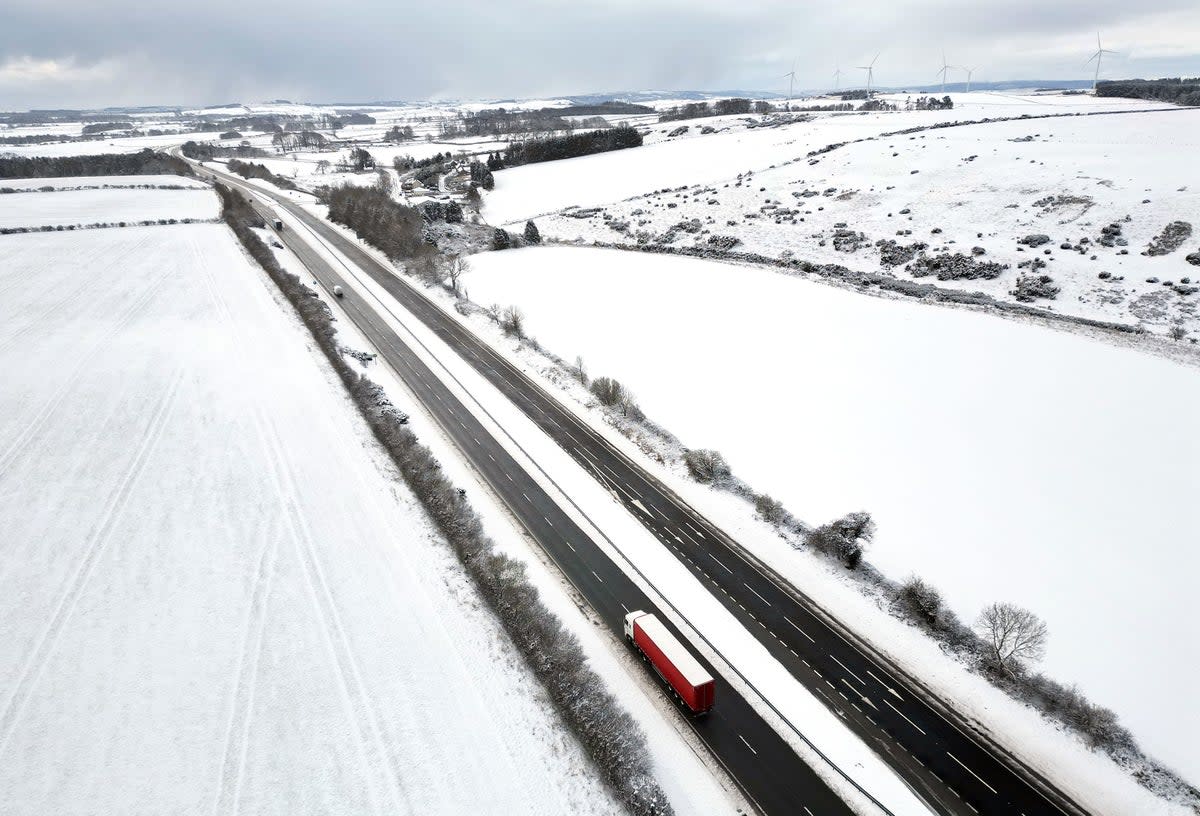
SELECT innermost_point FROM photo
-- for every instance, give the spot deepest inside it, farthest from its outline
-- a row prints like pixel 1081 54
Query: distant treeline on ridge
pixel 1180 90
pixel 568 147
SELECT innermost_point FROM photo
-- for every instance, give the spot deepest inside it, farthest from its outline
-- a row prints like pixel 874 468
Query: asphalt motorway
pixel 954 771
pixel 765 767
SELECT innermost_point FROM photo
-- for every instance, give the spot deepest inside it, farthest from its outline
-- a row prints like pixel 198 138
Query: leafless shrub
pixel 706 466
pixel 608 391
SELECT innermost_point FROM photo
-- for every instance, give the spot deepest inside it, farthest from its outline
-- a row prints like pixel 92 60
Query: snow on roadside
pixel 201 532
pixel 671 579
pixel 815 421
pixel 682 765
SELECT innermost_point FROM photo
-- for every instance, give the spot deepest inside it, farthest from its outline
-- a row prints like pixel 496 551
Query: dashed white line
pixel 748 745
pixel 598 578
pixel 910 722
pixel 718 560
pixel 798 629
pixel 760 597
pixel 852 674
pixel 968 770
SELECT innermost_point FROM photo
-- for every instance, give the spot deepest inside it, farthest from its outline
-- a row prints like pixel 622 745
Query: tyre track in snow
pixel 35 319
pixel 48 408
pixel 241 708
pixel 245 687
pixel 351 686
pixel 93 548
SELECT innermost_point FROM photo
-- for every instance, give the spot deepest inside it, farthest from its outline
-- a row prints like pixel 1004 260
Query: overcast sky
pixel 85 53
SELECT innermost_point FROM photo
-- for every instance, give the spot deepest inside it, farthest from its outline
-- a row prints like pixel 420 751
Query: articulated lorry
pixel 689 681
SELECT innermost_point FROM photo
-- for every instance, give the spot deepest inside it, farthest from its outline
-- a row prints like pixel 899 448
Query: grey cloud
pixel 223 51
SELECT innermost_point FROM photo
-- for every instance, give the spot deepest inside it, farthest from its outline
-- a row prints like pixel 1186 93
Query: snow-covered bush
pixel 706 466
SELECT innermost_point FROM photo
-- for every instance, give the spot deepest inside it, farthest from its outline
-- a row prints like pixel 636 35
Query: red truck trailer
pixel 673 662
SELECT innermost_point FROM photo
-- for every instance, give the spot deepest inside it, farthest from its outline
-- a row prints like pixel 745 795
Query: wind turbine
pixel 837 78
pixel 945 68
pixel 791 78
pixel 1098 56
pixel 870 69
pixel 969 72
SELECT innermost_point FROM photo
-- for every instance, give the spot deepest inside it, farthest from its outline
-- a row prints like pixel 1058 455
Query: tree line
pixel 609 735
pixel 569 147
pixel 720 107
pixel 145 162
pixel 1180 90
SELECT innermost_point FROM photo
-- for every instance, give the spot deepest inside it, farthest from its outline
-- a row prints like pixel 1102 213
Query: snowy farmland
pixel 90 206
pixel 1099 190
pixel 213 597
pixel 1001 461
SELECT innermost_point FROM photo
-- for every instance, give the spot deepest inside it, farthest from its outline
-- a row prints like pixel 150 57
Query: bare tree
pixel 513 322
pixel 579 371
pixel 1012 633
pixel 457 267
pixel 323 166
pixel 608 391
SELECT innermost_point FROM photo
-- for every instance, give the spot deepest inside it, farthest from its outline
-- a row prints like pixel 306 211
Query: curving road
pixel 953 769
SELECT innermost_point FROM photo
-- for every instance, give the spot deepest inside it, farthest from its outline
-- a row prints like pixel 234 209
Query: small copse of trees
pixel 571 146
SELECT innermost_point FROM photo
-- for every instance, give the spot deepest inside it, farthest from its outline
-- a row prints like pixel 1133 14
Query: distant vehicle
pixel 671 660
pixel 337 291
pixel 277 245
pixel 278 225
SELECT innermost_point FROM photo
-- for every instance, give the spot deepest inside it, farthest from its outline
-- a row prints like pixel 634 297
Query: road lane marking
pixel 852 674
pixel 968 770
pixel 527 498
pixel 760 597
pixel 598 578
pixel 907 720
pixel 748 745
pixel 885 685
pixel 798 629
pixel 718 560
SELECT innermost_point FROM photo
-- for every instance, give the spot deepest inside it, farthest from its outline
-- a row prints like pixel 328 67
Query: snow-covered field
pixel 78 182
pixel 93 148
pixel 105 206
pixel 1001 461
pixel 213 597
pixel 664 162
pixel 975 190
